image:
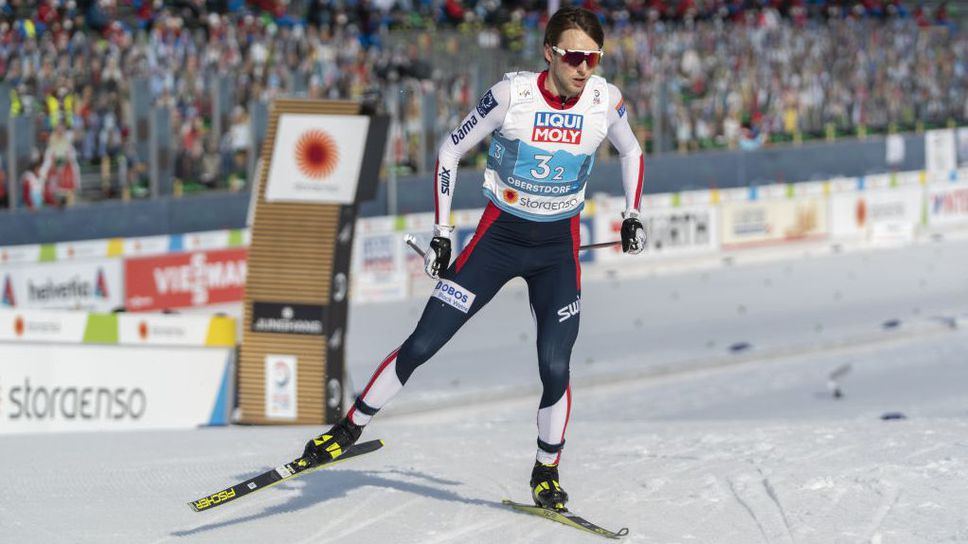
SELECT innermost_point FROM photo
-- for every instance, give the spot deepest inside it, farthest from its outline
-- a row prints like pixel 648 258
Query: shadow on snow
pixel 318 488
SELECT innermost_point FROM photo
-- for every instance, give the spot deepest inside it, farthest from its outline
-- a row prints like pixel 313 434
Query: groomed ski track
pixel 702 414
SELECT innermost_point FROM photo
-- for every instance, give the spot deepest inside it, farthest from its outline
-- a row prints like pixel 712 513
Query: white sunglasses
pixel 575 57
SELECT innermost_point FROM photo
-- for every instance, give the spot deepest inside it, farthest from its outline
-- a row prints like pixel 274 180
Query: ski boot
pixel 545 489
pixel 333 443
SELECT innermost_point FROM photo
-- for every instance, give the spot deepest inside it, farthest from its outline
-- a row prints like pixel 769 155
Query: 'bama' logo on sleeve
pixel 454 294
pixel 562 128
pixel 464 129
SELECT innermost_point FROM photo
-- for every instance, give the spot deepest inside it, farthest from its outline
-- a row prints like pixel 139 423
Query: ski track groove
pixel 217 518
pixel 454 536
pixel 771 492
pixel 732 488
pixel 814 457
pixel 358 505
pixel 833 503
pixel 362 525
pixel 887 504
pixel 924 451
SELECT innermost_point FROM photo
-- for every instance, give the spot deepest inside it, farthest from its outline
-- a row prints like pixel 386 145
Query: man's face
pixel 570 79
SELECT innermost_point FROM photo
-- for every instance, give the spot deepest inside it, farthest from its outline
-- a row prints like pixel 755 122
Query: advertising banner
pixel 53 387
pixel 19 254
pixel 940 154
pixel 413 263
pixel 146 245
pixel 947 205
pixel 140 329
pixel 84 249
pixel 379 273
pixel 64 326
pixel 85 285
pixel 765 222
pixel 200 241
pixel 467 218
pixel 861 214
pixel 281 401
pixel 317 158
pixel 379 253
pixel 894 149
pixel 288 318
pixel 42 326
pixel 669 231
pixel 184 280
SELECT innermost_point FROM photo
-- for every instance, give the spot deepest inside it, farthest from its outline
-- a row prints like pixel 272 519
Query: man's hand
pixel 437 257
pixel 633 233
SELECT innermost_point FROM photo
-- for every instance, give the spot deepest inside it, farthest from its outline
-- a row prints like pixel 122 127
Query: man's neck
pixel 551 85
pixel 549 91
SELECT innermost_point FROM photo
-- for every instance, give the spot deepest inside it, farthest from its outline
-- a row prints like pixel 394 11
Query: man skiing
pixel 545 129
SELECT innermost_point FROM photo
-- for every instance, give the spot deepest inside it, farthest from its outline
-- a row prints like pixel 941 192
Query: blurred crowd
pixel 698 73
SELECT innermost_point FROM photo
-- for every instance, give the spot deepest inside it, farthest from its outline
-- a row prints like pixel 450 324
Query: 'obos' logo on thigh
pixel 562 128
pixel 454 294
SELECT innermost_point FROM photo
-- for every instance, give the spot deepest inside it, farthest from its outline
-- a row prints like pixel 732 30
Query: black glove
pixel 633 233
pixel 437 257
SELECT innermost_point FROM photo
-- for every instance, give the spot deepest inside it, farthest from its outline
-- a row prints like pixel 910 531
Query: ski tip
pixel 624 531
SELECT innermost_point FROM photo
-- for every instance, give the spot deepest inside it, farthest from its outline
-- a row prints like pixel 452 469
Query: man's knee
pixel 415 351
pixel 554 379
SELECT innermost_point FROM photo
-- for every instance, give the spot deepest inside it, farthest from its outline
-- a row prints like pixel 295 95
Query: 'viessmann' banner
pixel 185 280
pixel 94 285
pixel 87 387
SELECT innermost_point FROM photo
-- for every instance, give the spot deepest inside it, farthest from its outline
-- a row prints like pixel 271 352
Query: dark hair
pixel 574 17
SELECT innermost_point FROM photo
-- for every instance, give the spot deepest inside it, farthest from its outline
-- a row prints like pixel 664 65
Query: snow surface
pixel 702 414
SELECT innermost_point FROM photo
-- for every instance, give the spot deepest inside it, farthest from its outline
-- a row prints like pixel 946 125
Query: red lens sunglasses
pixel 575 57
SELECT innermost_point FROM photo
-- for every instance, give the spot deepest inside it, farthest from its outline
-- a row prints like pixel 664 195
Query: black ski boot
pixel 332 443
pixel 545 489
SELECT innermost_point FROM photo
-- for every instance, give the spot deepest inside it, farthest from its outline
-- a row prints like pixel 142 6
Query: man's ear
pixel 548 53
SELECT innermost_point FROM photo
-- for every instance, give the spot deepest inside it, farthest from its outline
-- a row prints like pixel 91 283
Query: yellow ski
pixel 565 517
pixel 294 469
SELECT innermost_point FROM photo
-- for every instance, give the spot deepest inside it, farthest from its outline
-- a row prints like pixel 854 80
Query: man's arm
pixel 633 170
pixel 485 118
pixel 630 153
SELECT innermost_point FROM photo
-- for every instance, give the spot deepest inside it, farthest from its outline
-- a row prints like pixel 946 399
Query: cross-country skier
pixel 545 129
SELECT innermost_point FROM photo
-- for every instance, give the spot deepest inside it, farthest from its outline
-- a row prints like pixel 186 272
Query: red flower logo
pixel 18 326
pixel 510 196
pixel 316 154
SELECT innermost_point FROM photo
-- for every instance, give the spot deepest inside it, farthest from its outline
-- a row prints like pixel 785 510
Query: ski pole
pixel 411 241
pixel 413 245
pixel 599 245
